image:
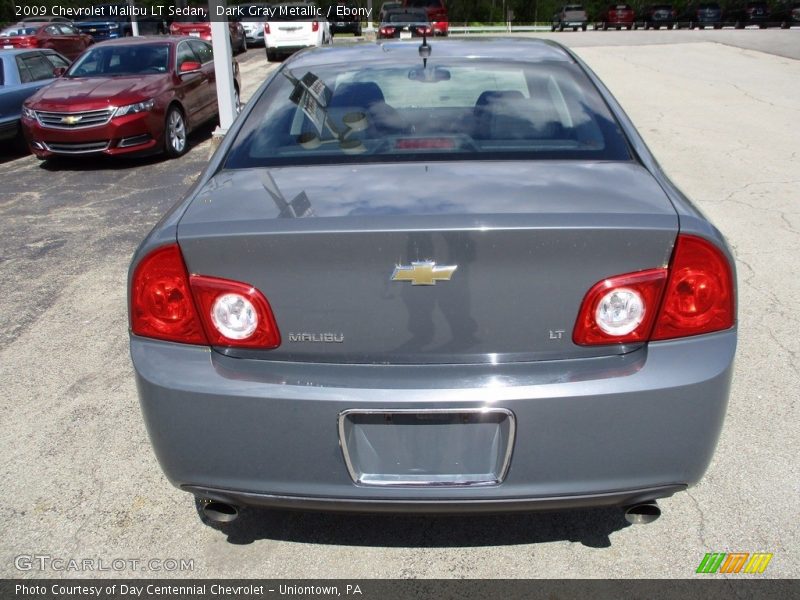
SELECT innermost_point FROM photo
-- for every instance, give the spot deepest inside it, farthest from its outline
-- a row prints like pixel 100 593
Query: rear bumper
pixel 356 505
pixel 589 432
pixel 131 134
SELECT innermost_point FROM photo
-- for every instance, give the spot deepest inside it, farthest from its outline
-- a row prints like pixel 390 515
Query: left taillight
pixel 161 299
pixel 169 304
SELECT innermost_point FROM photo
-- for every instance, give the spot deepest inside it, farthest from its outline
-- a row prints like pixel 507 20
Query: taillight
pixel 315 26
pixel 694 296
pixel 699 296
pixel 234 313
pixel 266 28
pixel 165 302
pixel 620 309
pixel 161 300
pixel 387 30
pixel 424 30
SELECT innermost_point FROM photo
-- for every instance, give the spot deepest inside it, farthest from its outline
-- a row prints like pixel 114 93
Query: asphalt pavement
pixel 719 109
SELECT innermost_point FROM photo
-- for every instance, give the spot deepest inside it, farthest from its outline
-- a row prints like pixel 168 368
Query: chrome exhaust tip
pixel 220 512
pixel 642 514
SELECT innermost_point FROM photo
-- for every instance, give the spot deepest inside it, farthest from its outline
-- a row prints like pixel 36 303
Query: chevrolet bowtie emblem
pixel 423 273
pixel 70 120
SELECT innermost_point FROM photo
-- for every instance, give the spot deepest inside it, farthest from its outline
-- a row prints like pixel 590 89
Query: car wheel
pixel 175 142
pixel 629 27
pixel 604 26
pixel 561 27
pixel 738 25
pixel 552 28
pixel 784 25
pixel 717 26
pixel 237 101
pixel 669 27
pixel 583 27
pixel 271 56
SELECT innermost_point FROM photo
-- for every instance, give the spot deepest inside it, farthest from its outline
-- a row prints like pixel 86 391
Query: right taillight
pixel 168 304
pixel 694 295
pixel 699 296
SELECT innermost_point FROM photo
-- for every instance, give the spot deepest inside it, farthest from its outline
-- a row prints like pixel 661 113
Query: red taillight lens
pixel 161 300
pixel 694 296
pixel 315 26
pixel 699 297
pixel 266 28
pixel 620 309
pixel 168 304
pixel 234 313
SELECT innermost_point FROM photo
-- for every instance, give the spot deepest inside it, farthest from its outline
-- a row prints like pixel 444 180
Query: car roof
pixel 489 48
pixel 144 40
pixel 15 51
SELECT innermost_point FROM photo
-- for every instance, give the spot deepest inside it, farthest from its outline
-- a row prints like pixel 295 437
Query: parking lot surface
pixel 80 479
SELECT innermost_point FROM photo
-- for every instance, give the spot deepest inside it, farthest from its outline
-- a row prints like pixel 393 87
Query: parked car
pixel 199 26
pixel 22 73
pixel 130 96
pixel 405 24
pixel 358 307
pixel 786 14
pixel 702 15
pixel 115 24
pixel 345 17
pixel 253 24
pixel 657 16
pixel 301 27
pixel 570 16
pixel 61 37
pixel 437 13
pixel 748 13
pixel 617 16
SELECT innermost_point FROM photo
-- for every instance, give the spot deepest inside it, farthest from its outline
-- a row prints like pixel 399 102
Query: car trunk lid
pixel 527 241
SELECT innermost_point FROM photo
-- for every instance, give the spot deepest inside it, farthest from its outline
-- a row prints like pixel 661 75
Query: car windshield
pixel 574 7
pixel 9 31
pixel 411 16
pixel 453 110
pixel 110 61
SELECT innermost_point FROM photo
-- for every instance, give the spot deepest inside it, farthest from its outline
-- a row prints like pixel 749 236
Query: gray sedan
pixel 443 277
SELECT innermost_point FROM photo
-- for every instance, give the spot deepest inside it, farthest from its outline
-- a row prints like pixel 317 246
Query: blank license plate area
pixel 445 448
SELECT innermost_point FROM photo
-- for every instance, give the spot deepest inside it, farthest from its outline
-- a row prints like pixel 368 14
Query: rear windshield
pixel 407 17
pixel 10 31
pixel 573 7
pixel 456 110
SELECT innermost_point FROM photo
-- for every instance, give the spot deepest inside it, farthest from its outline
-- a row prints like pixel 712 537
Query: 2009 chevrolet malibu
pixel 441 278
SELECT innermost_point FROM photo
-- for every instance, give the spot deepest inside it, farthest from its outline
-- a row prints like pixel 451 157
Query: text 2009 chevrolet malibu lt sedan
pixel 441 278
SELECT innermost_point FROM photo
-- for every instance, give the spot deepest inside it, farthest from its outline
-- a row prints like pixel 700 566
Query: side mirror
pixel 59 71
pixel 190 66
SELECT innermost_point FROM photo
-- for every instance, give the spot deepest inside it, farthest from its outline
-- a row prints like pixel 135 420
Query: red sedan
pixel 61 37
pixel 126 96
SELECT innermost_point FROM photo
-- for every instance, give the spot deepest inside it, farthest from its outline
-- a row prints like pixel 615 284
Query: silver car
pixel 437 277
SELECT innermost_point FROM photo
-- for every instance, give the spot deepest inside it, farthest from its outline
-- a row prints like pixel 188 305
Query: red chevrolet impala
pixel 126 96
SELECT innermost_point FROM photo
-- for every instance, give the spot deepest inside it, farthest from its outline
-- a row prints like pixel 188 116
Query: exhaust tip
pixel 220 512
pixel 642 514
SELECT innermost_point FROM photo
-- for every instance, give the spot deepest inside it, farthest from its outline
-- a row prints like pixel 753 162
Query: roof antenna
pixel 424 49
